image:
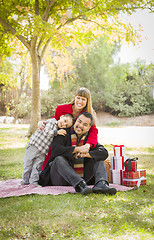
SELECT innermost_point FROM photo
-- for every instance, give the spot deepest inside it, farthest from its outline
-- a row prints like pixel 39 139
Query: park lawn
pixel 127 215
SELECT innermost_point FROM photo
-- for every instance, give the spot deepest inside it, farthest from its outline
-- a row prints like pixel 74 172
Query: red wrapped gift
pixel 133 183
pixel 131 165
pixel 132 179
pixel 134 175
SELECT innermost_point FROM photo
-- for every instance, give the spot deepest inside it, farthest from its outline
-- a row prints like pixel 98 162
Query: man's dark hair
pixel 88 115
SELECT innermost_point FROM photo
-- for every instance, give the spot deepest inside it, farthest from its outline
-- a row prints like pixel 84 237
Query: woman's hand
pixel 41 125
pixel 61 132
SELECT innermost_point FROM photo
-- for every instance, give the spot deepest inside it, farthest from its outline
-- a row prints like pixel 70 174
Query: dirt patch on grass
pixel 107 119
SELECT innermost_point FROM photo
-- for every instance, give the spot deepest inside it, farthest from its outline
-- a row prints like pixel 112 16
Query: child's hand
pixel 61 132
pixel 41 125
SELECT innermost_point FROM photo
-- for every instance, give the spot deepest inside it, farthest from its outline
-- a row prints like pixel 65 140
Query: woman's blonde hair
pixel 84 92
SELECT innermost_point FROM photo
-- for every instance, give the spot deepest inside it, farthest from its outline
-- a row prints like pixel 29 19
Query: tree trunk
pixel 36 103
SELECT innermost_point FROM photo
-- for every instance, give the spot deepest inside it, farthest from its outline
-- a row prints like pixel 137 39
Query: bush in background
pixel 130 99
pixel 22 109
pixel 52 98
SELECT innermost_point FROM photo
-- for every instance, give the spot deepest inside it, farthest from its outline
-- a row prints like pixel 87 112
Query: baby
pixel 38 147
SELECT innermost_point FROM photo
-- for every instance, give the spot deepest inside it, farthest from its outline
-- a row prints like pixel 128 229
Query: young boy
pixel 39 145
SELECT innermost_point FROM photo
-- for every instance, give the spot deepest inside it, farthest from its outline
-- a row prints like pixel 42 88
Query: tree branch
pixel 45 47
pixel 47 10
pixel 89 20
pixel 14 32
pixel 45 17
pixel 79 17
pixel 69 21
pixel 37 7
pixel 39 44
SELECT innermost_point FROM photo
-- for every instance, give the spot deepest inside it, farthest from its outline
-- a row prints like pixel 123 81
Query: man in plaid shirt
pixel 38 147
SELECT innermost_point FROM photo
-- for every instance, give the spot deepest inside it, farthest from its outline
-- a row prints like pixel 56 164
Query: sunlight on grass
pixel 14 136
pixel 125 216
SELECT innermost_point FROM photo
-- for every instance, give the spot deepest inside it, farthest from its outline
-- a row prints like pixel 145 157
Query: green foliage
pixel 44 20
pixel 15 71
pixel 8 74
pixel 51 99
pixel 120 89
pixel 38 23
pixel 23 108
pixel 92 70
pixel 130 99
pixel 131 96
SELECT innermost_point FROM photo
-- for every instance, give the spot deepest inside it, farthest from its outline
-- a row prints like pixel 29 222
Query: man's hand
pixel 61 132
pixel 82 150
pixel 41 125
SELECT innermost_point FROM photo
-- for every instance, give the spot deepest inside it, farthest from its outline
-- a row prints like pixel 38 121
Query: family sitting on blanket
pixel 68 166
pixel 80 104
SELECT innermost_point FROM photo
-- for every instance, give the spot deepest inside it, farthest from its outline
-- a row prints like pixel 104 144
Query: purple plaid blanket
pixel 12 187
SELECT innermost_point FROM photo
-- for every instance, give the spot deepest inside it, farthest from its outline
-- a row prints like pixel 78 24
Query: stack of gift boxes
pixel 117 164
pixel 132 176
pixel 124 170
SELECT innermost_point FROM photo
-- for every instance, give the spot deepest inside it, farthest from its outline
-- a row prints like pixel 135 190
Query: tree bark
pixel 36 102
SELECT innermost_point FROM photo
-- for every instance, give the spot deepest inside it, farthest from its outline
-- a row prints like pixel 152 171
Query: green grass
pixel 11 161
pixel 114 124
pixel 13 136
pixel 125 216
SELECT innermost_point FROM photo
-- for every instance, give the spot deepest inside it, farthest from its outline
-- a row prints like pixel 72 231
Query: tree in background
pixel 15 78
pixel 121 89
pixel 37 23
pixel 131 95
pixel 58 65
pixel 92 68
